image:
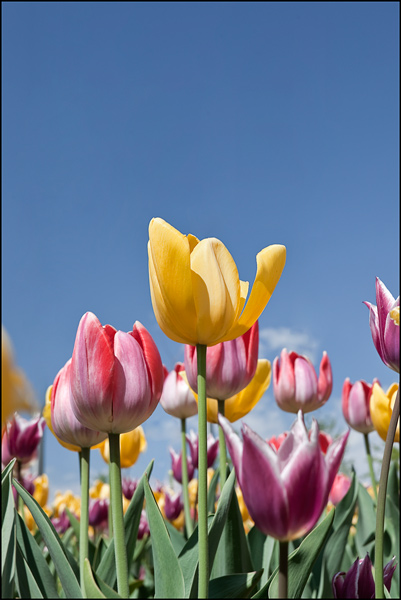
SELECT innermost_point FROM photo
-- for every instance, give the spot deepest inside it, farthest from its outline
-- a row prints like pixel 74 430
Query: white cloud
pixel 276 338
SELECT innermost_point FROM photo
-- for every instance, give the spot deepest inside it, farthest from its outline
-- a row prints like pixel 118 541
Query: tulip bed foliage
pixel 241 565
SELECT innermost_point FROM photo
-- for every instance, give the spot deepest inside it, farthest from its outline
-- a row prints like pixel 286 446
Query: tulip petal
pixel 169 271
pixel 152 358
pixel 216 288
pixel 334 456
pixel 325 382
pixel 234 445
pixel 306 384
pixel 242 403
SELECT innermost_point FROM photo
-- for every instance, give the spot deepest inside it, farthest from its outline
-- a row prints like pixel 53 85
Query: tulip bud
pixel 340 487
pixel 295 383
pixel 177 398
pixel 98 512
pixel 129 486
pixel 172 506
pixel 176 461
pixel 212 448
pixel 355 405
pixel 358 582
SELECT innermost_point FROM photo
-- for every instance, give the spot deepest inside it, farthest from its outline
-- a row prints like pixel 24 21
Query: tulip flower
pixel 28 484
pixel 297 478
pixel 98 512
pixel 384 326
pixel 358 582
pixel 100 490
pixel 47 415
pixel 65 424
pixel 172 506
pixel 230 366
pixel 143 526
pixel 340 487
pixel 67 499
pixel 381 409
pixel 132 444
pixel 355 405
pixel 212 448
pixel 61 523
pixel 129 486
pixel 296 385
pixel 196 292
pixel 176 460
pixel 324 440
pixel 41 489
pixel 21 439
pixel 16 392
pixel 177 398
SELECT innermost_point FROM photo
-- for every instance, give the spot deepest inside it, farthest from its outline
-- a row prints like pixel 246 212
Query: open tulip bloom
pixel 285 491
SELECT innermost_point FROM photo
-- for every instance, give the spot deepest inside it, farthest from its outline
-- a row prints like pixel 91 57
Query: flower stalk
pixel 116 505
pixel 203 589
pixel 370 462
pixel 184 468
pixel 84 459
pixel 381 500
pixel 222 448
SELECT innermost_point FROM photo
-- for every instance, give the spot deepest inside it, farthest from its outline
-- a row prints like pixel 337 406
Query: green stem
pixel 203 589
pixel 84 456
pixel 370 462
pixel 283 571
pixel 184 470
pixel 381 500
pixel 222 448
pixel 116 504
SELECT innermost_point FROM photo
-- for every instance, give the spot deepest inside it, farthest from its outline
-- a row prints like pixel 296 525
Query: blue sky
pixel 256 123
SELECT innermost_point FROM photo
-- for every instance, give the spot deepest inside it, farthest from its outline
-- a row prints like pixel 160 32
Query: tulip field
pixel 241 516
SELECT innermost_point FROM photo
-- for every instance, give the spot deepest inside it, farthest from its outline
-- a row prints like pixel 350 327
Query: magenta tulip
pixel 64 422
pixel 176 462
pixel 177 398
pixel 128 487
pixel 116 377
pixel 98 512
pixel 285 491
pixel 61 523
pixel 143 528
pixel 172 506
pixel 21 439
pixel 385 331
pixel 340 487
pixel 296 385
pixel 355 405
pixel 230 366
pixel 212 448
pixel 358 582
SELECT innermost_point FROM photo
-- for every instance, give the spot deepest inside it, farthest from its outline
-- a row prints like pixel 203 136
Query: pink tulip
pixel 286 491
pixel 176 462
pixel 64 422
pixel 324 440
pixel 358 582
pixel 21 438
pixel 143 526
pixel 172 506
pixel 355 405
pixel 340 487
pixel 129 486
pixel 116 377
pixel 177 398
pixel 385 331
pixel 295 383
pixel 230 366
pixel 212 448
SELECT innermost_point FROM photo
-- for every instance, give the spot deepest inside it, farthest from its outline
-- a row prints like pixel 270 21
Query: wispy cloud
pixel 274 339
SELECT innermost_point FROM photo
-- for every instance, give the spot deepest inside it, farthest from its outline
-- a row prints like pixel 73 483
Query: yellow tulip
pixel 67 499
pixel 99 490
pixel 196 292
pixel 16 392
pixel 41 492
pixel 132 444
pixel 242 403
pixel 381 409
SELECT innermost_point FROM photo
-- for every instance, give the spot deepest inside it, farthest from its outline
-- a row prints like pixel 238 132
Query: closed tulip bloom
pixel 64 422
pixel 384 322
pixel 116 377
pixel 176 462
pixel 129 486
pixel 356 405
pixel 297 478
pixel 212 448
pixel 172 506
pixel 177 398
pixel 132 444
pixel 196 292
pixel 61 523
pixel 358 582
pixel 381 409
pixel 296 385
pixel 98 512
pixel 340 487
pixel 21 439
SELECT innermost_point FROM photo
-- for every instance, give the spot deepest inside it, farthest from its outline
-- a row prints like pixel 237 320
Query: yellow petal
pixel 171 281
pixel 216 289
pixel 132 444
pixel 270 264
pixel 381 404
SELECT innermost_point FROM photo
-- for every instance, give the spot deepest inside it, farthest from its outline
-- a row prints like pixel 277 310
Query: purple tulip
pixel 65 424
pixel 61 523
pixel 358 582
pixel 21 438
pixel 27 483
pixel 129 486
pixel 143 526
pixel 172 506
pixel 285 491
pixel 176 460
pixel 355 405
pixel 212 448
pixel 230 366
pixel 177 398
pixel 98 512
pixel 296 385
pixel 385 332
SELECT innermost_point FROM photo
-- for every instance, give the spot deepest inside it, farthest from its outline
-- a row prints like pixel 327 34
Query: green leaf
pixel 57 551
pixel 36 561
pixel 8 534
pixel 237 585
pixel 366 524
pixel 211 492
pixel 76 526
pixel 301 561
pixel 169 580
pixel 177 539
pixel 392 547
pixel 261 548
pixel 107 568
pixel 25 581
pixel 91 588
